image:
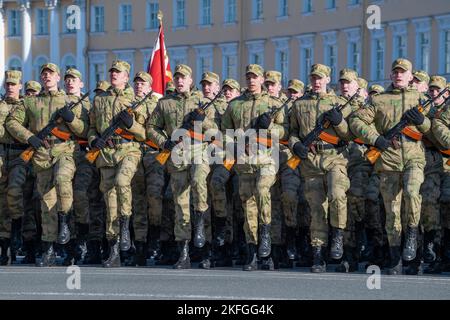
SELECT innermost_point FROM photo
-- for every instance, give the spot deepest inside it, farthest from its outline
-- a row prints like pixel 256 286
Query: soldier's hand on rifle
pixel 300 150
pixel 98 143
pixel 126 118
pixel 334 116
pixel 264 120
pixel 197 115
pixel 382 143
pixel 414 116
pixel 169 145
pixel 35 142
pixel 66 114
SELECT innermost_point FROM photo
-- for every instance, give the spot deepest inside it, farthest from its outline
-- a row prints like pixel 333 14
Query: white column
pixel 27 58
pixel 52 6
pixel 2 46
pixel 81 39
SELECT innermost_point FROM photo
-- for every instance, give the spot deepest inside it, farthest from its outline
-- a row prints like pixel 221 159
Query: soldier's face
pixel 401 78
pixel 254 82
pixel 348 88
pixel 73 85
pixel 50 79
pixel 210 89
pixel 319 84
pixel 31 93
pixel 273 88
pixel 182 83
pixel 294 94
pixel 119 79
pixel 420 86
pixel 12 90
pixel 230 93
pixel 434 92
pixel 141 87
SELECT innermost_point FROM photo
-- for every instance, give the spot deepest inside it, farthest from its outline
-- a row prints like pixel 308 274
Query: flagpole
pixel 162 49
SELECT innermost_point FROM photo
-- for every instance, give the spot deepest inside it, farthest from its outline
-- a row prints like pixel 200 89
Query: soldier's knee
pixel 289 196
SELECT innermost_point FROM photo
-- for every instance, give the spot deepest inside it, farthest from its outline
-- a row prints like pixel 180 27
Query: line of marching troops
pixel 96 190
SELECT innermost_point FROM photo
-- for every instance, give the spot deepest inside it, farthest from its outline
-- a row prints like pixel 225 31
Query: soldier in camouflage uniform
pixel 375 89
pixel 53 159
pixel 148 182
pixel 119 157
pixel 101 87
pixel 85 175
pixel 323 164
pixel 249 111
pixel 172 112
pixel 402 161
pixel 420 81
pixel 32 88
pixel 434 188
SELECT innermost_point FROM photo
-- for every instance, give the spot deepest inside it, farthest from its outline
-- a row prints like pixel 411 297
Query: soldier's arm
pixel 227 122
pixel 4 111
pixel 138 128
pixel 80 124
pixel 17 122
pixel 343 129
pixel 155 126
pixel 441 129
pixel 210 121
pixel 293 126
pixel 360 124
pixel 92 132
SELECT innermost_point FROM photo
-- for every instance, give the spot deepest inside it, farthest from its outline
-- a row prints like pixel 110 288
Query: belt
pixel 119 140
pixel 319 147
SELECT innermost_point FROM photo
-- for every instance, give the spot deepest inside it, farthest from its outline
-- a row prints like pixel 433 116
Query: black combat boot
pixel 349 261
pixel 251 263
pixel 113 260
pixel 153 244
pixel 265 241
pixel 93 255
pixel 48 256
pixel 125 238
pixel 220 231
pixel 395 264
pixel 16 238
pixel 337 244
pixel 223 256
pixel 375 240
pixel 291 250
pixel 410 249
pixel 446 244
pixel 4 245
pixel 436 266
pixel 429 250
pixel 30 252
pixel 305 250
pixel 319 264
pixel 199 229
pixel 63 228
pixel 184 261
pixel 206 257
pixel 138 259
pixel 71 253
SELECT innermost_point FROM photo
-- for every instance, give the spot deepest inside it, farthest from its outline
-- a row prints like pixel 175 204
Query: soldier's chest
pixel 44 108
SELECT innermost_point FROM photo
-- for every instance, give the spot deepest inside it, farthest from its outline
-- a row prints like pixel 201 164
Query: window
pixel 282 58
pixel 67 15
pixel 178 55
pixel 128 56
pixel 180 13
pixel 229 60
pixel 424 51
pixel 306 63
pixel 257 10
pixel 443 23
pixel 98 23
pixel 354 2
pixel 14 23
pixel 447 51
pixel 205 12
pixel 125 17
pixel 97 68
pixel 331 4
pixel 379 59
pixel 256 52
pixel 282 8
pixel 152 15
pixel 230 11
pixel 204 59
pixel 307 6
pixel 331 60
pixel 42 21
pixel 99 72
pixel 67 62
pixel 15 64
pixel 38 63
pixel 354 56
pixel 400 48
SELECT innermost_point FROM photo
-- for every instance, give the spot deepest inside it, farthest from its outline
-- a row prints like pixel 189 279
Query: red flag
pixel 159 67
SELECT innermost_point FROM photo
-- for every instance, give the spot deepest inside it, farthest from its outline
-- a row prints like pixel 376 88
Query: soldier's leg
pixel 199 185
pixel 374 225
pixel 316 195
pixel 218 186
pixel 5 221
pixel 445 218
pixel 81 203
pixel 391 191
pixel 30 219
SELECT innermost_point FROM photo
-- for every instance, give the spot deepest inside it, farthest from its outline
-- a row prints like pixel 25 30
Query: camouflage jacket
pixel 103 113
pixel 305 114
pixel 170 112
pixel 385 111
pixel 33 115
pixel 441 130
pixel 6 106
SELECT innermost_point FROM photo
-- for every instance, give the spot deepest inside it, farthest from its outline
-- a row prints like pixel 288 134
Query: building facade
pixel 225 35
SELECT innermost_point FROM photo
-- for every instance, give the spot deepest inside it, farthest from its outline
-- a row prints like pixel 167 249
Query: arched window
pixel 67 62
pixel 38 63
pixel 15 64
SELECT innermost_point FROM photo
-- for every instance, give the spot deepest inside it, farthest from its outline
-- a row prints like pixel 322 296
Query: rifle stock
pixel 27 154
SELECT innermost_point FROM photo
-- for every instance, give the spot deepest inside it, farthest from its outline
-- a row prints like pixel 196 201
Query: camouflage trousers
pixel 290 184
pixel 115 184
pixel 254 191
pixel 323 193
pixel 148 188
pixel 277 214
pixel 445 197
pixel 430 191
pixel 88 203
pixel 168 215
pixel 55 186
pixel 398 186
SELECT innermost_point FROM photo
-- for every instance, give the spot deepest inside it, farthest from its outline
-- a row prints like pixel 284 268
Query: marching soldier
pixel 420 81
pixel 32 88
pixel 53 159
pixel 375 89
pixel 119 157
pixel 402 161
pixel 324 165
pixel 101 87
